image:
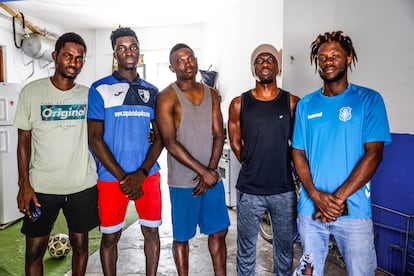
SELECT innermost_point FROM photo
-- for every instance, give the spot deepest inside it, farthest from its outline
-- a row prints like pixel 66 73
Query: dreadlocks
pixel 345 42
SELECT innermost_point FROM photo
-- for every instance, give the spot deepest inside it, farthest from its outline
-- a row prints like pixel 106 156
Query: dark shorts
pixel 80 210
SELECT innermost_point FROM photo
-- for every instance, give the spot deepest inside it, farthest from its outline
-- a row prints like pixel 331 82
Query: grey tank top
pixel 195 133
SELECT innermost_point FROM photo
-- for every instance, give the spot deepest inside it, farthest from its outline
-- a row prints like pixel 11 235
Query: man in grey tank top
pixel 191 125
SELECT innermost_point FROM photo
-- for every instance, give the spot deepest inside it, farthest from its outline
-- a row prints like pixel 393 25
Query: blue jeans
pixel 250 209
pixel 354 237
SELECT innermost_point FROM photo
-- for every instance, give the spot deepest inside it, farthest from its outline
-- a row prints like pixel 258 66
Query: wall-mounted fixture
pixel 38 46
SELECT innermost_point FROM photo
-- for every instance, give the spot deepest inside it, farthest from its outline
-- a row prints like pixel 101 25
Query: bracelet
pixel 144 171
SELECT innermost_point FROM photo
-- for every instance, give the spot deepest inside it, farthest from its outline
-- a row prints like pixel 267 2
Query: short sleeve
pixel 23 112
pixel 298 134
pixel 95 105
pixel 376 128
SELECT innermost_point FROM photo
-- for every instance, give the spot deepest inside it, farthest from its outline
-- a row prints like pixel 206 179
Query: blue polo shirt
pixel 126 110
pixel 332 131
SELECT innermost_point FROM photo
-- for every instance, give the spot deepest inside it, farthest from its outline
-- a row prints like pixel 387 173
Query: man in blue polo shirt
pixel 121 108
pixel 338 139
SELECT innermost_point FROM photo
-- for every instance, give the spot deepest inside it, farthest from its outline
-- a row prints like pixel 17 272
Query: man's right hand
pixel 25 195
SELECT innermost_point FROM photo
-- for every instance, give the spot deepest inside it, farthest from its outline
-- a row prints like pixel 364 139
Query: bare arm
pixel 331 206
pixel 234 127
pixel 130 187
pixel 327 205
pixel 364 170
pixel 26 192
pixel 131 183
pixel 155 149
pixel 218 131
pixel 293 101
pixel 101 150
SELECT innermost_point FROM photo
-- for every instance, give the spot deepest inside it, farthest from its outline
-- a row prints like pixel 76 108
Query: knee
pixel 217 241
pixel 150 233
pixel 79 243
pixel 177 245
pixel 35 248
pixel 34 255
pixel 80 249
pixel 110 240
pixel 219 235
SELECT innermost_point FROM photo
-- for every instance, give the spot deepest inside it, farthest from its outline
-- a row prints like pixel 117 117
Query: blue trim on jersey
pixel 332 131
pixel 126 110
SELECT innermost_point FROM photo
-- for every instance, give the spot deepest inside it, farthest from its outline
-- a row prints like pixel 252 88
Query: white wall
pixel 155 44
pixel 382 32
pixel 383 36
pixel 231 38
pixel 226 42
pixel 18 66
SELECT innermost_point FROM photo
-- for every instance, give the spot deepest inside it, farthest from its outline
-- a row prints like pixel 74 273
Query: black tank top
pixel 266 128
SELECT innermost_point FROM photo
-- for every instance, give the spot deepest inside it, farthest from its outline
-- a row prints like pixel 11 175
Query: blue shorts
pixel 208 211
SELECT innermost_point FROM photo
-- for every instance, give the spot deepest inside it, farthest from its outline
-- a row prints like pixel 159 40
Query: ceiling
pixel 108 14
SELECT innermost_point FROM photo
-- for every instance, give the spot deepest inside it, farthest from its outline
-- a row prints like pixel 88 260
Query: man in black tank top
pixel 260 125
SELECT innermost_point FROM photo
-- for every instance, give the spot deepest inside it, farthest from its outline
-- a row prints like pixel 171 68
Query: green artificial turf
pixel 12 247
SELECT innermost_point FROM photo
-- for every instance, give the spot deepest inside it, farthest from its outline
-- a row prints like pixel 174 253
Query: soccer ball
pixel 59 245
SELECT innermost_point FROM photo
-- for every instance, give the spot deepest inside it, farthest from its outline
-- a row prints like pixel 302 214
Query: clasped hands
pixel 131 184
pixel 329 207
pixel 205 181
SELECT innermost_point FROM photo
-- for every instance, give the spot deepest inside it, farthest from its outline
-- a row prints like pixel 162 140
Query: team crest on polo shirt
pixel 345 113
pixel 144 94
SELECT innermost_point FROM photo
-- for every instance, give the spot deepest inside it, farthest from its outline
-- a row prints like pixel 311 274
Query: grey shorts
pixel 80 210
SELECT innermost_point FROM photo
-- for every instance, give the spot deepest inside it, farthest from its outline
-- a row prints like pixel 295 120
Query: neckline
pixel 265 101
pixel 334 96
pixel 181 95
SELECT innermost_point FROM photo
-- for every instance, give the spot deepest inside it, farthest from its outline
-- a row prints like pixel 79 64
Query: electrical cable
pixel 14 30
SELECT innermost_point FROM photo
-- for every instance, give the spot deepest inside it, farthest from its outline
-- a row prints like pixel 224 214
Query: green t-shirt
pixel 60 162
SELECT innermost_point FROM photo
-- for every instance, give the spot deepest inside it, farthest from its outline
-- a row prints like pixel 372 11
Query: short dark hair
pixel 69 37
pixel 345 41
pixel 177 47
pixel 120 32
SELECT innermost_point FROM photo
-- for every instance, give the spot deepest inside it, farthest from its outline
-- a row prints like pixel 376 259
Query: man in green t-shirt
pixel 56 169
